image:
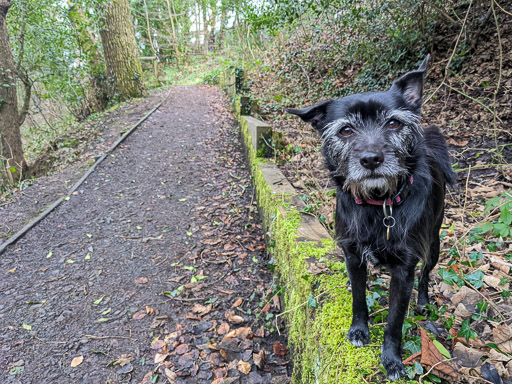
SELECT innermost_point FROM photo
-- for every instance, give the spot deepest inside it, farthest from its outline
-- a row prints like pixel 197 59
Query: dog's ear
pixel 314 114
pixel 410 86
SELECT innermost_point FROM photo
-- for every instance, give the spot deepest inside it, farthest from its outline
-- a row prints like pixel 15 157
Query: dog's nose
pixel 371 160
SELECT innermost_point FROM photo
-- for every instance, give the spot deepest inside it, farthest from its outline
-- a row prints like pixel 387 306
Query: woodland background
pixel 65 65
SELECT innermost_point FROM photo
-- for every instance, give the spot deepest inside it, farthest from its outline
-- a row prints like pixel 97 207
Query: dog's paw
pixel 395 370
pixel 420 309
pixel 358 336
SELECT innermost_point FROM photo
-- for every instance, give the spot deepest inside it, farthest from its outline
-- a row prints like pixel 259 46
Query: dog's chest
pixel 371 257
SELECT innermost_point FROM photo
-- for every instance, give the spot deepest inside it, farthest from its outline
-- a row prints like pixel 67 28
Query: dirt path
pixel 143 275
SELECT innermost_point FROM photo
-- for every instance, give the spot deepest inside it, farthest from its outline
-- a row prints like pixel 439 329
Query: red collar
pixel 395 200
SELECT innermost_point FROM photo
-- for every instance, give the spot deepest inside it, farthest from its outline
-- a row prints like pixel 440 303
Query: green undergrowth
pixel 318 306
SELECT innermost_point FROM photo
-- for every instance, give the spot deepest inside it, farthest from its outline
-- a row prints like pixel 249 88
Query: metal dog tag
pixel 388 220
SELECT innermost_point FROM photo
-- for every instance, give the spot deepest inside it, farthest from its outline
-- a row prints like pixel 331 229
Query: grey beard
pixel 372 187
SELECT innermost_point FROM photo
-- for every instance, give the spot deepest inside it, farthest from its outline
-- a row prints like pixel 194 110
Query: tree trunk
pixel 223 21
pixel 98 96
pixel 120 48
pixel 205 26
pixel 12 162
pixel 174 36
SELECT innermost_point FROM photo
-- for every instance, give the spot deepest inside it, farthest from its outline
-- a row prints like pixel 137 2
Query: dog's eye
pixel 393 124
pixel 346 131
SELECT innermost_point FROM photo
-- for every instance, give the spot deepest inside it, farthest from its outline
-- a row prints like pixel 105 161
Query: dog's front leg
pixel 402 279
pixel 359 334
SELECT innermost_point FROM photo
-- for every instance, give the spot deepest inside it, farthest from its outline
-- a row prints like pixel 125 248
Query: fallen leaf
pixel 467 356
pixel 147 378
pixel 182 349
pixel 158 344
pixel 77 361
pixel 123 359
pixel 280 349
pixel 277 303
pixel 414 358
pixel 500 263
pixel 493 282
pixel 502 333
pixel 244 367
pixel 229 247
pixel 202 310
pixel 430 357
pixel 259 359
pixel 159 357
pixel 170 374
pixel 192 316
pixel 234 318
pixel 151 311
pixel 490 373
pixel 462 312
pixel 317 268
pixel 106 311
pixel 139 314
pixel 260 332
pixel 157 323
pixel 458 143
pixel 223 329
pixel 466 295
pixel 26 327
pixel 497 356
pixel 237 303
pixel 176 279
pixel 246 332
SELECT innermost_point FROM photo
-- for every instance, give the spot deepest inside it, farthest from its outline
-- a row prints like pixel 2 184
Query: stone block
pixel 260 132
pixel 274 178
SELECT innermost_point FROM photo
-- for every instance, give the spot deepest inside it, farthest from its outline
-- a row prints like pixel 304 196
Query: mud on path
pixel 155 272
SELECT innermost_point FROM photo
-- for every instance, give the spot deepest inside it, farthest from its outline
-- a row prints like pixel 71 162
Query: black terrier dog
pixel 391 174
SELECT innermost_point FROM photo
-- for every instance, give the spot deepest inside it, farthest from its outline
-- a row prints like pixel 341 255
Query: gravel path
pixel 154 272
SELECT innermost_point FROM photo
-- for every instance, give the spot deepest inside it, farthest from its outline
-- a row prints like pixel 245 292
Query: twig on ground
pixel 431 368
pixel 500 68
pixel 106 337
pixel 491 303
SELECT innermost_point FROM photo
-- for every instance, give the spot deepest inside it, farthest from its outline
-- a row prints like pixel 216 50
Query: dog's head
pixel 368 138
